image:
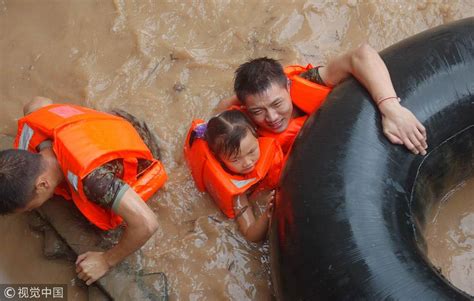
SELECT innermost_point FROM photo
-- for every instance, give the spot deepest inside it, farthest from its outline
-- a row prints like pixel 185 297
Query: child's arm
pixel 253 229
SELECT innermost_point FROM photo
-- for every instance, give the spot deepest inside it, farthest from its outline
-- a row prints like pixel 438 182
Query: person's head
pixel 35 104
pixel 23 183
pixel 233 140
pixel 263 88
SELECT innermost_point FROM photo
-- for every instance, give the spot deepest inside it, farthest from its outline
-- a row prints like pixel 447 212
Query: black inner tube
pixel 343 227
pixel 442 170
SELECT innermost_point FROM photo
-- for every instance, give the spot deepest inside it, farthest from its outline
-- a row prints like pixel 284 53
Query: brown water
pixel 21 255
pixel 168 62
pixel 449 234
pixel 22 261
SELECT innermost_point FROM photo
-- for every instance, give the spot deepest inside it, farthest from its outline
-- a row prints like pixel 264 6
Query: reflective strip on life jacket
pixel 84 139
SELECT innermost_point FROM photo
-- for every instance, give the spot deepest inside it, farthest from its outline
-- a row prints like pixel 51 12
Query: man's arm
pixel 141 224
pixel 365 64
pixel 226 103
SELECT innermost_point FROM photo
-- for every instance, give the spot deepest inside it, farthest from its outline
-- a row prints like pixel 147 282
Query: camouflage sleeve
pixel 103 185
pixel 313 76
pixel 143 130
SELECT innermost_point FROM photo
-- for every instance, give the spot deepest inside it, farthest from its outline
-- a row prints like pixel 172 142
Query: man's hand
pixel 365 64
pixel 402 127
pixel 91 266
pixel 141 224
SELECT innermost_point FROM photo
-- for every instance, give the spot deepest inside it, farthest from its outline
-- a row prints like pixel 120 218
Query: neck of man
pixel 52 166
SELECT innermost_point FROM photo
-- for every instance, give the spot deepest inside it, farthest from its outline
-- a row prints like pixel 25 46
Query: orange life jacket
pixel 84 139
pixel 307 96
pixel 210 176
pixel 288 136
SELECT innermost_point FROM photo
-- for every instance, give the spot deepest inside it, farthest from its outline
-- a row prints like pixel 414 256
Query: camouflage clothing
pixel 313 76
pixel 104 185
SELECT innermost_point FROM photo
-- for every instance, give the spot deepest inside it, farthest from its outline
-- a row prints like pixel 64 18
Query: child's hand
pixel 269 209
pixel 264 199
pixel 270 201
pixel 261 197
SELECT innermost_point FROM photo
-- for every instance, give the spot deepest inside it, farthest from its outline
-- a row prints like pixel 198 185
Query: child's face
pixel 245 161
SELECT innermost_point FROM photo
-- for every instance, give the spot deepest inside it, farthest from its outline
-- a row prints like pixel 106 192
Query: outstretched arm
pixel 252 229
pixel 365 64
pixel 141 224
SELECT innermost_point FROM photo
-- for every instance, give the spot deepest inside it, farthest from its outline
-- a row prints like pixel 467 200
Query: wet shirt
pixel 104 185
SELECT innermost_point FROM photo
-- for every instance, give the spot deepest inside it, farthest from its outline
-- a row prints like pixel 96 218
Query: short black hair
pixel 19 170
pixel 256 76
pixel 225 132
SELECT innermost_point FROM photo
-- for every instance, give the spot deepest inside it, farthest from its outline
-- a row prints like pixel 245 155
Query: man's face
pixel 272 109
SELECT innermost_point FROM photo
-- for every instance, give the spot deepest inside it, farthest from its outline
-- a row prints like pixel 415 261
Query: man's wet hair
pixel 19 170
pixel 225 132
pixel 256 76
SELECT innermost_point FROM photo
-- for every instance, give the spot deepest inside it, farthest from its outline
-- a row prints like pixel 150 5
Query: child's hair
pixel 225 132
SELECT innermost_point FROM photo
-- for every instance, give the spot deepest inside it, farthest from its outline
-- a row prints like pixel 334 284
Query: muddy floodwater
pixel 22 259
pixel 168 62
pixel 449 234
